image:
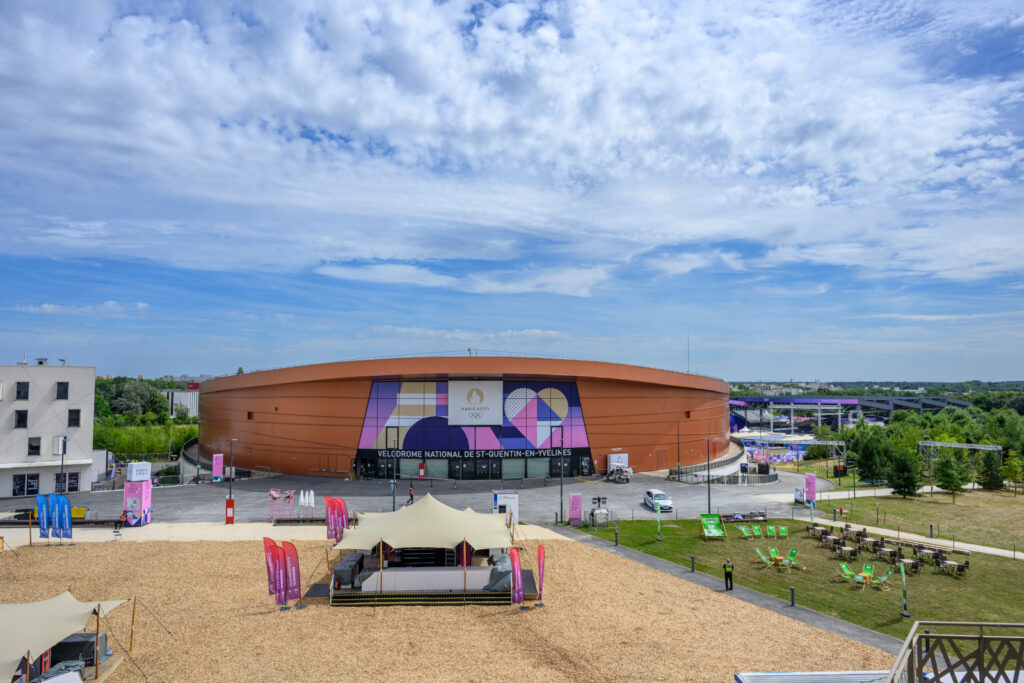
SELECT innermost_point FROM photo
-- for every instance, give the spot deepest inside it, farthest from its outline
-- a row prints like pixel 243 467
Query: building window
pixel 34 445
pixel 25 485
pixel 62 391
pixel 75 418
pixel 70 479
pixel 21 419
pixel 21 389
pixel 249 415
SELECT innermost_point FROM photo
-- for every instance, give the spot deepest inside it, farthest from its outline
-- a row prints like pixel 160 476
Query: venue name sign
pixel 455 453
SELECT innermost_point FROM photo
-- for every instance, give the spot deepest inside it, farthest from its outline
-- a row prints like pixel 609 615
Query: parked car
pixel 652 495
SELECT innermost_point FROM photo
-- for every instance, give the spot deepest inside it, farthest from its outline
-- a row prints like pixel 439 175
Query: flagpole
pixel 97 653
pixel 131 639
pixel 463 571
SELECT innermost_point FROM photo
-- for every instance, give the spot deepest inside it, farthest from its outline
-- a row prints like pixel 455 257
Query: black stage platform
pixel 348 597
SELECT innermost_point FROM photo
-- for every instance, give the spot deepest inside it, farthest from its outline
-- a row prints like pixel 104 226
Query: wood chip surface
pixel 606 618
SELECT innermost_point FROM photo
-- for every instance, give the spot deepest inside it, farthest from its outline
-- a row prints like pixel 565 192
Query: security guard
pixel 728 574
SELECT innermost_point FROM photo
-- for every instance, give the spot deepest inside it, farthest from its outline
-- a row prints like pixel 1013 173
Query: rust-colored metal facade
pixel 308 419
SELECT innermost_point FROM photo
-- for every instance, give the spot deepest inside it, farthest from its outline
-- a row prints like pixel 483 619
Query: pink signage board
pixel 218 467
pixel 137 495
pixel 576 509
pixel 809 490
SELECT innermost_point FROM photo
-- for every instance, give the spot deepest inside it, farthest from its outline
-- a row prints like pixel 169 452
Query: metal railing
pixel 737 479
pixel 979 656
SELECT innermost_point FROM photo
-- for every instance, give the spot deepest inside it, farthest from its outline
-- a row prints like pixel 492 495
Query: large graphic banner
pixel 475 403
pixel 438 419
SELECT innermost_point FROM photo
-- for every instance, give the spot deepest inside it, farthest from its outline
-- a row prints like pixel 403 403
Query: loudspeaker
pixel 762 468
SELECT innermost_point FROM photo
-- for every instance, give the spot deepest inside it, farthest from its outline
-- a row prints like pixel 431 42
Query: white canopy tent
pixel 427 523
pixel 34 627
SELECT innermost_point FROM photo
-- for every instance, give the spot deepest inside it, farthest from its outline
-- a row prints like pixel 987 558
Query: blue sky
pixel 806 190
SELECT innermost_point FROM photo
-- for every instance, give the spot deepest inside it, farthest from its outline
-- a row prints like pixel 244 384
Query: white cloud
pixel 389 273
pixel 467 335
pixel 415 131
pixel 107 309
pixel 945 317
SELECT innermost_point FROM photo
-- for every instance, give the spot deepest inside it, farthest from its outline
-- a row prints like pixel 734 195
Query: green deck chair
pixel 783 532
pixel 845 573
pixel 790 560
pixel 773 552
pixel 746 533
pixel 765 562
pixel 757 531
pixel 771 531
pixel 879 583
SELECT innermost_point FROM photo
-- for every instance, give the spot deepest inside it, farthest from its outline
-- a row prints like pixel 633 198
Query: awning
pixel 427 523
pixel 35 627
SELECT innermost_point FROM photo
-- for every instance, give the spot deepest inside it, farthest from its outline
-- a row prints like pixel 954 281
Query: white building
pixel 46 411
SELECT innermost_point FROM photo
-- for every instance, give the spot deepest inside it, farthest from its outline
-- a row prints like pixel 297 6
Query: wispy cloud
pixel 107 309
pixel 943 317
pixel 467 335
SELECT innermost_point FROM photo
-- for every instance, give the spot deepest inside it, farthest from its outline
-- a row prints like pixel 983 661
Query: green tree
pixel 992 471
pixel 873 450
pixel 950 473
pixel 904 473
pixel 240 371
pixel 822 433
pixel 1012 470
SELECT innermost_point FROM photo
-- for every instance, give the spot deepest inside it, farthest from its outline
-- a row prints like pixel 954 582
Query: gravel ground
pixel 606 618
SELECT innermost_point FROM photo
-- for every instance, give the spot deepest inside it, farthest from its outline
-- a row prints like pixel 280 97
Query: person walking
pixel 392 491
pixel 728 574
pixel 410 495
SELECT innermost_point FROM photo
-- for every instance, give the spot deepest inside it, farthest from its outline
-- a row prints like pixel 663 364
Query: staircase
pixel 370 599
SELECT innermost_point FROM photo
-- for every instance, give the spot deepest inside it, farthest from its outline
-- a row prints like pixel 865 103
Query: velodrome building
pixel 467 417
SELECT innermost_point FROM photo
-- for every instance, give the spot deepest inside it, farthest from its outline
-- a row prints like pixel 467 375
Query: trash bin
pixel 229 511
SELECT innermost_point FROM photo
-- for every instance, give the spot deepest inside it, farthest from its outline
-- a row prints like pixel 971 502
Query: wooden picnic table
pixel 847 549
pixel 950 564
pixel 886 551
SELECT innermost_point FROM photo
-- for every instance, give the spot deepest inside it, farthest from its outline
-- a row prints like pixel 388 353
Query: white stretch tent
pixel 427 523
pixel 35 627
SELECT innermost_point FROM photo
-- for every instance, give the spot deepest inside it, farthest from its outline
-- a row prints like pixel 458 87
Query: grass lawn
pixel 992 591
pixel 994 518
pixel 823 470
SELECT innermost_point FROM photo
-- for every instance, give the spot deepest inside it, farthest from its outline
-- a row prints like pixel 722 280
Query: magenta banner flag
pixel 540 573
pixel 267 545
pixel 344 514
pixel 329 515
pixel 339 526
pixel 517 576
pixel 291 570
pixel 280 578
pixel 809 488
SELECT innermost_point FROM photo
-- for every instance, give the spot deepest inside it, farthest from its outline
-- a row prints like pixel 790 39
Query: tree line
pixel 890 453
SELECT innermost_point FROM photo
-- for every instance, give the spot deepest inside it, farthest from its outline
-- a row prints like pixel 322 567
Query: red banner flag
pixel 540 573
pixel 267 545
pixel 280 579
pixel 517 576
pixel 291 561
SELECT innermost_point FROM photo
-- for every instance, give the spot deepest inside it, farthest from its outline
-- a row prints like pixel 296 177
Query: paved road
pixel 538 502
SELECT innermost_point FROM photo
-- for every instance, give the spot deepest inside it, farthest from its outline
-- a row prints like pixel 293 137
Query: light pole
pixel 707 444
pixel 63 451
pixel 679 467
pixel 232 479
pixel 561 473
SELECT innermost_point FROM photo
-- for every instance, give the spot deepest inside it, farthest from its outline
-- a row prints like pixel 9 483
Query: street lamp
pixel 707 444
pixel 232 479
pixel 63 441
pixel 561 473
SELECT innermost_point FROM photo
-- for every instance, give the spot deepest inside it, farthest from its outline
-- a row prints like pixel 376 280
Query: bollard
pixel 834 514
pixel 792 596
pixel 931 531
pixel 616 537
pixel 693 567
pixel 556 518
pixel 927 641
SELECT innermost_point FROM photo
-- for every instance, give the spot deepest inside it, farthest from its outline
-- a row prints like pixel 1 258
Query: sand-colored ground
pixel 606 618
pixel 217 531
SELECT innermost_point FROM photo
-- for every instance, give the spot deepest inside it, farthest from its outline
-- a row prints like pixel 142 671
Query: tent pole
pixel 131 638
pixel 464 549
pixel 29 532
pixel 380 576
pixel 97 654
pixel 28 653
pixel 327 558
